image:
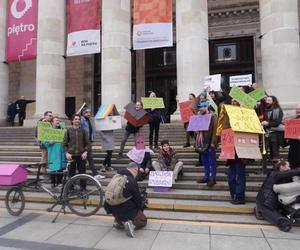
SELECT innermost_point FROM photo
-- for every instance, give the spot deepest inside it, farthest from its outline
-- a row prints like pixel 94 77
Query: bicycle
pixel 82 194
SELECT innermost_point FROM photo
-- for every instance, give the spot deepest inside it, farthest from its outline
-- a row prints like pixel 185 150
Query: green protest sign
pixel 240 96
pixel 44 125
pixel 258 94
pixel 153 103
pixel 213 104
pixel 50 134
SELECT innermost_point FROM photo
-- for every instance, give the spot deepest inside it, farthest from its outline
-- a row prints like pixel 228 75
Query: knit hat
pixel 203 94
pixel 163 142
pixel 203 104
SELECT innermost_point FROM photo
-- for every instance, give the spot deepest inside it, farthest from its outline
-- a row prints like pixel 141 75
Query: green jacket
pixel 76 141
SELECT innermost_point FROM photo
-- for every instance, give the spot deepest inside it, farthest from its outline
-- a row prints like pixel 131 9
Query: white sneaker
pixel 99 177
pixel 129 228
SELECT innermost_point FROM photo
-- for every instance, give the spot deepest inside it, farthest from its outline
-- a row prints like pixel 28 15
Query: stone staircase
pixel 187 198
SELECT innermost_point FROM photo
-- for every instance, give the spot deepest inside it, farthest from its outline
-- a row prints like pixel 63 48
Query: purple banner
pixel 199 122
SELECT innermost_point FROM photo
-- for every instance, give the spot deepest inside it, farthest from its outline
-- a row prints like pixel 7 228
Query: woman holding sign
pixel 56 156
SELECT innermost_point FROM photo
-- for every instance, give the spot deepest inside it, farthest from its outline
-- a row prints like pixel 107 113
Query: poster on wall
pixel 21 34
pixel 152 24
pixel 83 27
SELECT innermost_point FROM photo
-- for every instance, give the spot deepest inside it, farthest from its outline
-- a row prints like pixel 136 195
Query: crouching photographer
pixel 125 202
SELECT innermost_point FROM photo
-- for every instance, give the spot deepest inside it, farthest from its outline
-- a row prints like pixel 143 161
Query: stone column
pixel 4 80
pixel 280 50
pixel 50 64
pixel 191 46
pixel 116 54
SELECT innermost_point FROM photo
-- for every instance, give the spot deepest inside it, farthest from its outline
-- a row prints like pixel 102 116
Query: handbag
pixel 200 146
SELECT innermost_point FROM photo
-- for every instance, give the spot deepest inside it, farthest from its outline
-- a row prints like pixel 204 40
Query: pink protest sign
pixel 292 129
pixel 199 122
pixel 185 111
pixel 227 144
pixel 11 174
pixel 21 37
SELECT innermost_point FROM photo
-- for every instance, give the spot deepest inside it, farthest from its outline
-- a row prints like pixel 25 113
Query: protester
pixel 76 145
pixel 21 105
pixel 294 150
pixel 86 125
pixel 168 161
pixel 267 203
pixel 273 127
pixel 124 201
pixel 187 133
pixel 154 123
pixel 11 114
pixel 56 156
pixel 206 142
pixel 108 145
pixel 129 129
pixel 48 116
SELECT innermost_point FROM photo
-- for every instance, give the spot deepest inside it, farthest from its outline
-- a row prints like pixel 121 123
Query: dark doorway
pixel 161 76
pixel 231 57
pixel 70 106
pixel 97 82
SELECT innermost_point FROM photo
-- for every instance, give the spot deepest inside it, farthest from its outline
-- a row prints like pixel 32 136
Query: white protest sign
pixel 213 82
pixel 241 80
pixel 160 179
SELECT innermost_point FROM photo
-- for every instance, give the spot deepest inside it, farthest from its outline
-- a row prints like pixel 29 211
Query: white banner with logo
pixel 83 27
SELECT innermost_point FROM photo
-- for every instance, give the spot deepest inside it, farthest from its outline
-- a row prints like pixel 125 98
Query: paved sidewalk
pixel 34 230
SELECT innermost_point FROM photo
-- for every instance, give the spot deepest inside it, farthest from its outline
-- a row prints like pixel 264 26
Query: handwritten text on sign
pixel 292 129
pixel 160 179
pixel 153 103
pixel 227 142
pixel 185 111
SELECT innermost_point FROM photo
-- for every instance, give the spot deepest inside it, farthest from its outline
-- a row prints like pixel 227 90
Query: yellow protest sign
pixel 240 119
pixel 153 103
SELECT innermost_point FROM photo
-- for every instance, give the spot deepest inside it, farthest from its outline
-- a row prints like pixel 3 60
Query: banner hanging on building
pixel 83 27
pixel 152 24
pixel 21 33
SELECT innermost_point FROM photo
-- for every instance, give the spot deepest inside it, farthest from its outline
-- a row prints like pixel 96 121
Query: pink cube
pixel 11 174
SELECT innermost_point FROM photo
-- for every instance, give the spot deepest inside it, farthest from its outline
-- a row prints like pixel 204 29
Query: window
pixel 226 52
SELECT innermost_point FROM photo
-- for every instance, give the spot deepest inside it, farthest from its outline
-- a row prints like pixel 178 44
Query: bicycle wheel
pixel 83 195
pixel 15 201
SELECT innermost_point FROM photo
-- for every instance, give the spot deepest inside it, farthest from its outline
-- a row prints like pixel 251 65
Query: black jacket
pixel 129 209
pixel 76 141
pixel 266 196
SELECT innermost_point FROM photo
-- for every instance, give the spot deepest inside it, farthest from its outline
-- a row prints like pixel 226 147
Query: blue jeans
pixel 237 179
pixel 210 163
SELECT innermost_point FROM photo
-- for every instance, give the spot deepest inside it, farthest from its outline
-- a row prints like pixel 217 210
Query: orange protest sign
pixel 292 129
pixel 185 111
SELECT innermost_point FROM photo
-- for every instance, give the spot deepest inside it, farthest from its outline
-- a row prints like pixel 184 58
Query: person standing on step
pixel 207 142
pixel 76 146
pixel 86 125
pixel 168 161
pixel 56 156
pixel 129 129
pixel 188 134
pixel 124 201
pixel 294 150
pixel 108 145
pixel 154 123
pixel 21 105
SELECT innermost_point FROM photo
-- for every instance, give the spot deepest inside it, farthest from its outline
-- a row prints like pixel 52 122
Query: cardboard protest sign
pixel 153 103
pixel 134 117
pixel 244 99
pixel 185 111
pixel 199 122
pixel 212 104
pixel 213 82
pixel 247 146
pixel 106 110
pixel 160 179
pixel 240 119
pixel 258 94
pixel 240 80
pixel 108 123
pixel 47 133
pixel 292 129
pixel 227 144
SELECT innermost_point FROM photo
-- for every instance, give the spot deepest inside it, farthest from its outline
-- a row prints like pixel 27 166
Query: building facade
pixel 258 37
